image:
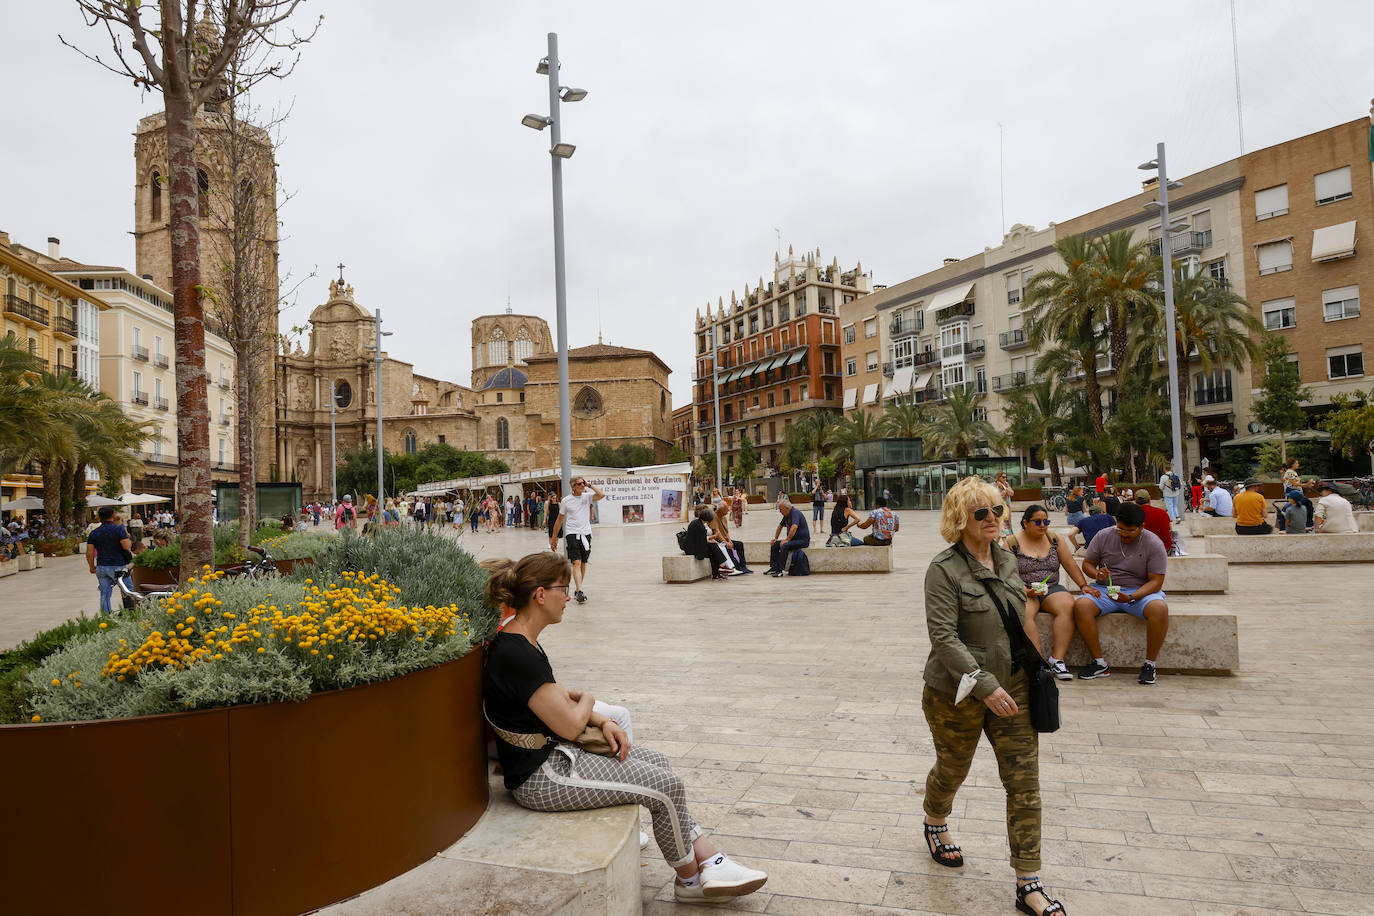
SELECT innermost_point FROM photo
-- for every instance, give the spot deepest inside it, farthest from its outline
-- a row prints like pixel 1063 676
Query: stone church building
pixel 509 411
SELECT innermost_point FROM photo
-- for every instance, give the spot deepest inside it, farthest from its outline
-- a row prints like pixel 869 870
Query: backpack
pixel 801 566
pixel 884 523
pixel 682 541
pixel 1175 483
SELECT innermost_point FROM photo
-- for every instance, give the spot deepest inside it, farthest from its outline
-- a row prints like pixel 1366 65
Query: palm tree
pixel 955 429
pixel 107 440
pixel 1038 418
pixel 903 418
pixel 1126 287
pixel 857 427
pixel 20 403
pixel 1210 321
pixel 1064 308
pixel 812 432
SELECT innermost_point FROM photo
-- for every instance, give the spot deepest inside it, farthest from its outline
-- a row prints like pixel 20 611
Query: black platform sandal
pixel 1030 887
pixel 938 849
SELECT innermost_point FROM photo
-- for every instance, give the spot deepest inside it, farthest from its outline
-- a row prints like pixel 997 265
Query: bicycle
pixel 258 568
pixel 1055 499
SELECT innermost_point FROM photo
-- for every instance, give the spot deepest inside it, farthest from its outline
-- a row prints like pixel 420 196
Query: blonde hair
pixel 513 583
pixel 960 502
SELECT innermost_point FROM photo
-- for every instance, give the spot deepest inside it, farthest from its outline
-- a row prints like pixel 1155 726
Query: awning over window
pixel 773 363
pixel 952 296
pixel 1333 242
pixel 796 357
pixel 851 395
pixel 900 383
pixel 923 380
pixel 871 393
pixel 748 371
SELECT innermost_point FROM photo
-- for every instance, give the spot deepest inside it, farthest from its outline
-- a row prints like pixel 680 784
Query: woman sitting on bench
pixel 537 722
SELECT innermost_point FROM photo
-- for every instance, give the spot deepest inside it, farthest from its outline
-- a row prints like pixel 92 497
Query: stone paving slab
pixel 792 710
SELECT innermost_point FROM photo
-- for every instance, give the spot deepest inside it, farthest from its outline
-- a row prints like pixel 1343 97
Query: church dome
pixel 506 378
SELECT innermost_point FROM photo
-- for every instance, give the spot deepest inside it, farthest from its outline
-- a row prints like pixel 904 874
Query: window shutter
pixel 1333 185
pixel 1271 202
pixel 1202 221
pixel 1275 256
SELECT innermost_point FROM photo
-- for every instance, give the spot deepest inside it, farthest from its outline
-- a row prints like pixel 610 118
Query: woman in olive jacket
pixel 967 636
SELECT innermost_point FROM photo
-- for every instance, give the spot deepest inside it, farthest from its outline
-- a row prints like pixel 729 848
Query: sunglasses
pixel 982 513
pixel 1042 522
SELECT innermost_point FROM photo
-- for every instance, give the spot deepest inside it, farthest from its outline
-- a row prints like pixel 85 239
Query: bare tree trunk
pixel 245 385
pixel 188 315
pixel 74 482
pixel 1056 478
pixel 1094 392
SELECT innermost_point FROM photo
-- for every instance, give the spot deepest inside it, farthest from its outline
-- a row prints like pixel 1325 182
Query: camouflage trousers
pixel 955 730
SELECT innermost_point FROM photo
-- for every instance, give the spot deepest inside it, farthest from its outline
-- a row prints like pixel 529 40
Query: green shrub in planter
pixel 16 664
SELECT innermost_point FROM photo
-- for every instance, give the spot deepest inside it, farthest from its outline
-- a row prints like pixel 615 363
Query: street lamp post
pixel 377 348
pixel 333 449
pixel 715 394
pixel 558 151
pixel 1170 340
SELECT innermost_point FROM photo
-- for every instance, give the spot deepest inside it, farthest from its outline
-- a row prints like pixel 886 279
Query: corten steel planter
pixel 271 808
pixel 142 576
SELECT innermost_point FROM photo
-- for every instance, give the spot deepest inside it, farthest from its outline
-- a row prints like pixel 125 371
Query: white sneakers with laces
pixel 719 883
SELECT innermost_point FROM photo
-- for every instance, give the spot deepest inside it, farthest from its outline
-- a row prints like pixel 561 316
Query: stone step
pixel 1196 644
pixel 523 863
pixel 1293 548
pixel 829 559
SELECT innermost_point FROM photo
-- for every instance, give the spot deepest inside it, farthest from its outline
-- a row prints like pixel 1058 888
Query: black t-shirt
pixel 1074 505
pixel 515 670
pixel 1112 504
pixel 837 521
pixel 105 539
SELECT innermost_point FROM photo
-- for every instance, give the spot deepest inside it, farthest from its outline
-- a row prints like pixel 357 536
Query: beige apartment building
pixel 776 352
pixel 136 370
pixel 962 323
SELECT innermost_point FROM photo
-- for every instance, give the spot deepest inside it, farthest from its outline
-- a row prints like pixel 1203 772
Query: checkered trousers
pixel 575 780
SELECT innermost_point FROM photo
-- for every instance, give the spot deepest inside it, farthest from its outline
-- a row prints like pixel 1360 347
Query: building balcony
pixel 900 328
pixel 977 347
pixel 1004 383
pixel 160 403
pixel 27 311
pixel 924 358
pixel 140 398
pixel 161 361
pixel 754 414
pixel 224 384
pixel 1183 243
pixel 1012 340
pixel 66 327
pixel 1204 397
pixel 159 459
pixel 225 465
pixel 958 310
pixel 889 370
pixel 139 353
pixel 826 309
pixel 225 421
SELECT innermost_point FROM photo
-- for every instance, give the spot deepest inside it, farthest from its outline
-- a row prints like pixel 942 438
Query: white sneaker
pixel 643 839
pixel 694 894
pixel 1061 671
pixel 730 879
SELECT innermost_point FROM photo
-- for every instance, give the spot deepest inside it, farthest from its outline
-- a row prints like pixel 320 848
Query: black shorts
pixel 576 551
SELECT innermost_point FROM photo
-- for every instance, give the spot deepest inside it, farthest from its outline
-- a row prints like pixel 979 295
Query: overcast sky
pixel 869 130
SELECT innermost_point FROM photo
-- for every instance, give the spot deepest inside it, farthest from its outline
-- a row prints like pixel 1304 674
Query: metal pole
pixel 1170 340
pixel 333 450
pixel 559 271
pixel 379 410
pixel 715 394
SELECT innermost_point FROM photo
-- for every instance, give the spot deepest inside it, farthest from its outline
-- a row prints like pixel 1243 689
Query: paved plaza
pixel 792 708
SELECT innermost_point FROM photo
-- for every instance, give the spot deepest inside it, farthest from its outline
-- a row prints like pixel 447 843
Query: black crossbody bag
pixel 1044 692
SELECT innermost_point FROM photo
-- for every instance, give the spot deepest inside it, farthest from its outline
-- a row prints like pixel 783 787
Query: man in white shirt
pixel 1218 500
pixel 1334 514
pixel 575 521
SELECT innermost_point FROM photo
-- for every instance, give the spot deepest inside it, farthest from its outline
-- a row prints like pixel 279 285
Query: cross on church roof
pixel 340 265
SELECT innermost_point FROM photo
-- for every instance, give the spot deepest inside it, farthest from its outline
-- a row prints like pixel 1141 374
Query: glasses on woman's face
pixel 1040 522
pixel 561 588
pixel 981 512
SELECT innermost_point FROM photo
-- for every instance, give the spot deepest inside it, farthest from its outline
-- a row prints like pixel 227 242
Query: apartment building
pixel 681 419
pixel 776 353
pixel 136 369
pixel 1292 256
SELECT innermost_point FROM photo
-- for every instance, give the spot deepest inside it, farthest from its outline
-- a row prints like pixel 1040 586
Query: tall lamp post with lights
pixel 1167 228
pixel 558 151
pixel 377 347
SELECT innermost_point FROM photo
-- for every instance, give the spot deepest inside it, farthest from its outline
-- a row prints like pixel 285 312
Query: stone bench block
pixel 1198 573
pixel 8 568
pixel 1293 548
pixel 829 559
pixel 1196 644
pixel 515 860
pixel 1365 520
pixel 1200 525
pixel 682 568
pixel 27 561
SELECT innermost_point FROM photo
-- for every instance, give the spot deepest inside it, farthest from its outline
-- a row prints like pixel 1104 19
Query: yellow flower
pixel 261 650
pixel 104 626
pixel 55 682
pixel 36 719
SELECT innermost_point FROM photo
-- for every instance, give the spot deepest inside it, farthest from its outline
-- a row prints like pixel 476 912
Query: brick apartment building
pixel 776 352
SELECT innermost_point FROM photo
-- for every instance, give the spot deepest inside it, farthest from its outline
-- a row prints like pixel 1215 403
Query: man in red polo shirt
pixel 1157 521
pixel 1101 483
